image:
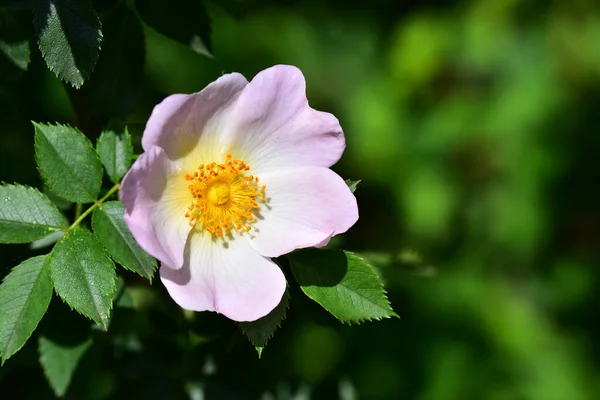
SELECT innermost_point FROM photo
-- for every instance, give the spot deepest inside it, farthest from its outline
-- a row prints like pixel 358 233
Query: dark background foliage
pixel 473 125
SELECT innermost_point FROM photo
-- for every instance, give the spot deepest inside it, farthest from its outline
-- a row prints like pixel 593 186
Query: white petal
pixel 306 207
pixel 230 278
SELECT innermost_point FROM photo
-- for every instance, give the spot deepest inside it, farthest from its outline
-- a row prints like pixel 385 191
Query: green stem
pixel 93 206
pixel 78 209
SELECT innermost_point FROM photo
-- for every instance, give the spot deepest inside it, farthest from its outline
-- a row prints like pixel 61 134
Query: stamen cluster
pixel 225 198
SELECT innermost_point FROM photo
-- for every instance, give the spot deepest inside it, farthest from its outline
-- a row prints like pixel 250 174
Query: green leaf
pixel 352 184
pixel 60 361
pixel 84 275
pixel 59 202
pixel 116 85
pixel 16 52
pixel 27 215
pixel 114 234
pixel 260 331
pixel 344 284
pixel 184 21
pixel 69 37
pixel 67 162
pixel 24 298
pixel 14 43
pixel 115 151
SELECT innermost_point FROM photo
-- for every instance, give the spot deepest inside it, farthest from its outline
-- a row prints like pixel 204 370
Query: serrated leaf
pixel 67 162
pixel 115 87
pixel 260 331
pixel 69 37
pixel 114 234
pixel 184 21
pixel 352 184
pixel 24 297
pixel 84 275
pixel 344 284
pixel 59 362
pixel 27 215
pixel 115 151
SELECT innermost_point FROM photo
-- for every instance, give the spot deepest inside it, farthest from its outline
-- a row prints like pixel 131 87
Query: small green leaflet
pixel 344 284
pixel 115 151
pixel 27 215
pixel 69 36
pixel 60 361
pixel 260 331
pixel 67 162
pixel 352 184
pixel 84 275
pixel 24 298
pixel 112 231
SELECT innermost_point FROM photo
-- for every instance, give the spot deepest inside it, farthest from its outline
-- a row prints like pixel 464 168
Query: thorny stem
pixel 93 206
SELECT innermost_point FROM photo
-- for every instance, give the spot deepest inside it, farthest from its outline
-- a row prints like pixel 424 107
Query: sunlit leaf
pixel 344 284
pixel 24 297
pixel 84 275
pixel 114 234
pixel 27 215
pixel 69 37
pixel 67 162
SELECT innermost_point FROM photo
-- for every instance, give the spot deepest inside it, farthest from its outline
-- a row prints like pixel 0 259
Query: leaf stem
pixel 78 209
pixel 93 206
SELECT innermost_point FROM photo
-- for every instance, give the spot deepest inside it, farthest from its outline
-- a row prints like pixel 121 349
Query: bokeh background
pixel 473 125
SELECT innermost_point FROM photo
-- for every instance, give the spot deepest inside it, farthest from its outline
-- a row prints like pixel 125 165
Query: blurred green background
pixel 473 125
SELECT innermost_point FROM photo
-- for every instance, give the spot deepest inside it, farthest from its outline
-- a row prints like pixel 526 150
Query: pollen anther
pixel 225 197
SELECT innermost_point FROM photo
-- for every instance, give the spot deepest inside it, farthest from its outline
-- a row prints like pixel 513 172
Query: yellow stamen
pixel 224 197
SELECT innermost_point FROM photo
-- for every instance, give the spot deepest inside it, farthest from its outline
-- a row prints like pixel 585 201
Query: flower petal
pixel 156 199
pixel 272 126
pixel 230 278
pixel 306 207
pixel 181 121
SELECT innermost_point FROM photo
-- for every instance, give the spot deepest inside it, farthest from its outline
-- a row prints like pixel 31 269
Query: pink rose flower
pixel 231 176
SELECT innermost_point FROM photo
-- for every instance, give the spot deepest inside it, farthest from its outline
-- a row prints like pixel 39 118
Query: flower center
pixel 218 193
pixel 225 197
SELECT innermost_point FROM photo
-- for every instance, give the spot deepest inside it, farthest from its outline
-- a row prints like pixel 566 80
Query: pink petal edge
pixel 271 126
pixel 179 122
pixel 159 229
